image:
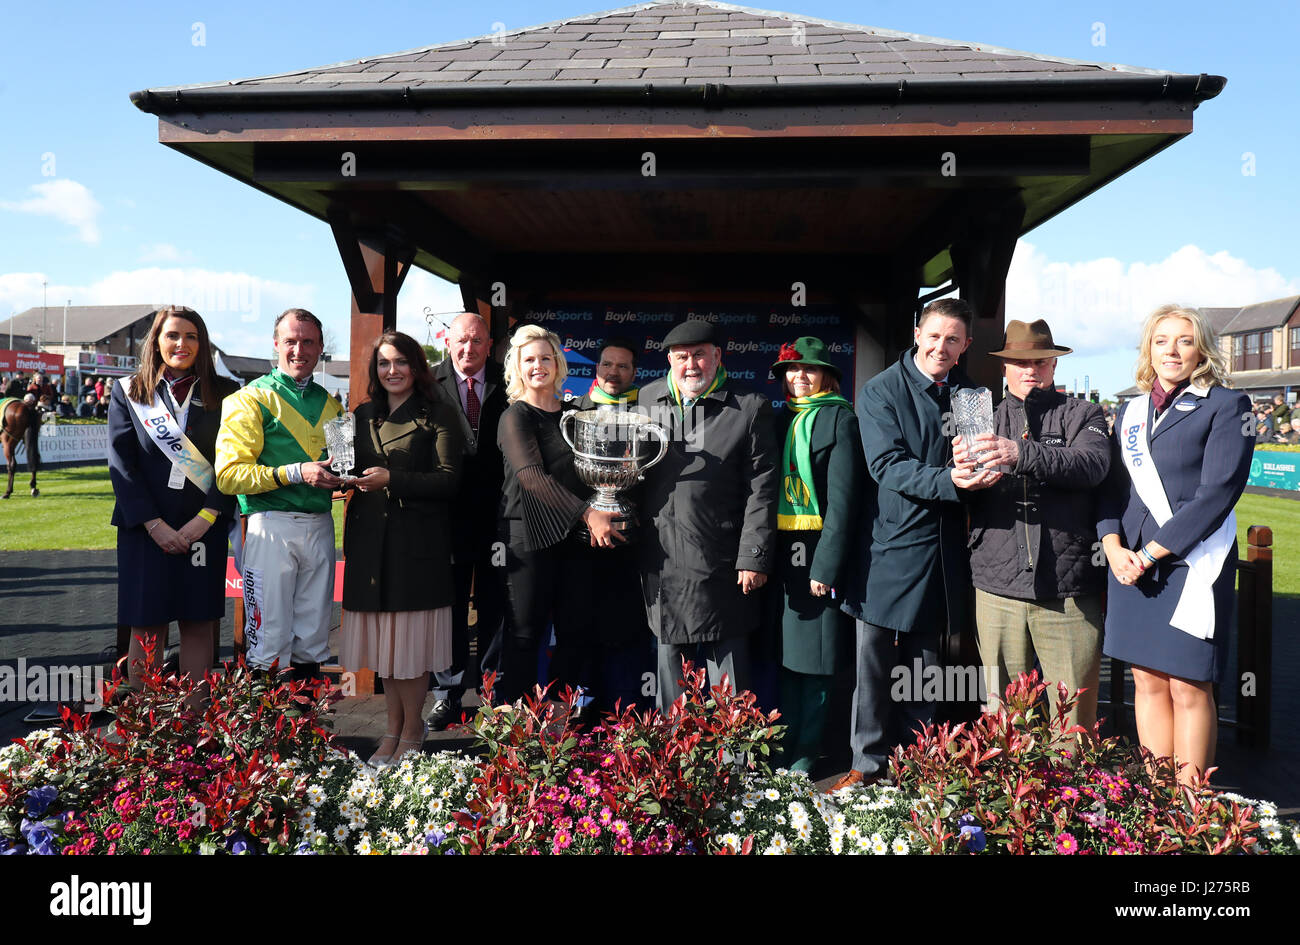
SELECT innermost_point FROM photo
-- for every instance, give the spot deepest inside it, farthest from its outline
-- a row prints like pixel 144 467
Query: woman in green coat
pixel 821 475
pixel 397 586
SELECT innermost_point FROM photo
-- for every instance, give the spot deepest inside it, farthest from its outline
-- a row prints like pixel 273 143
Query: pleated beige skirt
pixel 396 645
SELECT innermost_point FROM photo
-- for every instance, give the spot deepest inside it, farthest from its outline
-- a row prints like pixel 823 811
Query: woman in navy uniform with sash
pixel 171 519
pixel 1182 453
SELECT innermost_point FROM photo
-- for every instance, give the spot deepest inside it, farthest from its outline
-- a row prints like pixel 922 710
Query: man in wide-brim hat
pixel 1037 589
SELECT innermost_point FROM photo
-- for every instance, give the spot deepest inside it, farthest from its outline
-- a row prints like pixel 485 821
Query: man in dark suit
pixel 627 646
pixel 478 385
pixel 912 571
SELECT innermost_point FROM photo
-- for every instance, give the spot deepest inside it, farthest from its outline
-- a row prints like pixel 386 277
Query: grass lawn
pixel 1283 516
pixel 72 511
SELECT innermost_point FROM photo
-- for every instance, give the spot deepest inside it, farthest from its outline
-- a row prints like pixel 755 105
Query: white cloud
pixel 163 253
pixel 1097 306
pixel 65 200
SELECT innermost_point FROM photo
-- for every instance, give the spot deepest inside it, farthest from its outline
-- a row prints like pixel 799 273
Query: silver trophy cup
pixel 972 413
pixel 611 452
pixel 340 440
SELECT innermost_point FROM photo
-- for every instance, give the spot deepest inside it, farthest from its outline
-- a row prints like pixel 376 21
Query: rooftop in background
pixel 670 44
pixel 1263 315
pixel 87 324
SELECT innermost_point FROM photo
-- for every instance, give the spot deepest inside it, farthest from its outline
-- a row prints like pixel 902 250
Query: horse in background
pixel 20 423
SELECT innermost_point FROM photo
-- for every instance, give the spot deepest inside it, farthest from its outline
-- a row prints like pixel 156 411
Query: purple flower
pixel 972 833
pixel 39 800
pixel 434 838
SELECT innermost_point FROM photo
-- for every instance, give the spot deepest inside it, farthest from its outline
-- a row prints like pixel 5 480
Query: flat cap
pixel 694 331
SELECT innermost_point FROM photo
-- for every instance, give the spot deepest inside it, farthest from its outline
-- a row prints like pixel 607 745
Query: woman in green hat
pixel 821 475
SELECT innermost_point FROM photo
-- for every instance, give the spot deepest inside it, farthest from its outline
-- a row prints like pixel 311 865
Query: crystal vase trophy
pixel 340 440
pixel 611 452
pixel 972 412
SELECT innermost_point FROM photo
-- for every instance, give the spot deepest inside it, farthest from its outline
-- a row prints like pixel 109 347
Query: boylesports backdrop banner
pixel 750 337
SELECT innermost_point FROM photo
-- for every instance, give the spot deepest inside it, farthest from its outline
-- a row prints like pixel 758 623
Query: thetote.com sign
pixel 1275 470
pixel 70 443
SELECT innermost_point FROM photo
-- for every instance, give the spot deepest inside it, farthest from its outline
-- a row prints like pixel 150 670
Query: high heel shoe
pixel 379 760
pixel 417 742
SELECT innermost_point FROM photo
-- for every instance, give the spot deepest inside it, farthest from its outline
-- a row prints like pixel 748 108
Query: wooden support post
pixel 1255 639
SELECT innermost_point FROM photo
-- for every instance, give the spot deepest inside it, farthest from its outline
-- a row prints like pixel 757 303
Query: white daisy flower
pixel 731 840
pixel 459 779
pixel 356 792
pixel 1273 833
pixel 737 817
pixel 804 832
pixel 363 847
pixel 749 803
pixel 408 779
pixel 780 842
pixel 780 819
pixel 396 801
pixel 878 845
pixel 314 836
pixel 426 791
pixel 1265 809
pixel 772 794
pixel 772 851
pixel 316 795
pixel 413 825
pixel 837 845
pixel 853 833
pixel 900 847
pixel 341 833
pixel 864 843
pixel 435 806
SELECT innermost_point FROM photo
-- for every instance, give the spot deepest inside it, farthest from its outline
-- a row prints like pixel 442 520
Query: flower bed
pixel 256 771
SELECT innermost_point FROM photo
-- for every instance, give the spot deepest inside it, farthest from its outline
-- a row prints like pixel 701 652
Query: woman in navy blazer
pixel 1198 437
pixel 171 535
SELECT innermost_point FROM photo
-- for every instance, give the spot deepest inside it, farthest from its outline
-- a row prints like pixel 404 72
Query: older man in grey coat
pixel 709 510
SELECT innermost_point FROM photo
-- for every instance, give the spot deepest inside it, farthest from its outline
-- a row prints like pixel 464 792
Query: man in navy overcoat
pixel 913 572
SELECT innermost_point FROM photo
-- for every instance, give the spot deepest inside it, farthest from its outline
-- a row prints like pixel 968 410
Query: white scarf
pixel 169 436
pixel 1194 613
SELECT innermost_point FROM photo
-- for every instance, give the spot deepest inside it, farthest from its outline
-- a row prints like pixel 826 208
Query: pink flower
pixel 1069 794
pixel 619 827
pixel 561 842
pixel 623 842
pixel 113 832
pixel 588 827
pixel 1065 843
pixel 606 815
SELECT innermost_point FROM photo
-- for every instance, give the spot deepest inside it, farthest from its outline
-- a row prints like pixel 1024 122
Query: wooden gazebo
pixel 701 152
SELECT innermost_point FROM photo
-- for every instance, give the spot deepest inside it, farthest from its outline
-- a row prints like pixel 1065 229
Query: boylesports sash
pixel 169 437
pixel 1194 613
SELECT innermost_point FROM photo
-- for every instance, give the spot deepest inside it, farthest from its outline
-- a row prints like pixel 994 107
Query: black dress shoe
pixel 443 715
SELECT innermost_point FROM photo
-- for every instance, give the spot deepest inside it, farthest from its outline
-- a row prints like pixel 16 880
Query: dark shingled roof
pixel 1263 315
pixel 87 324
pixel 1219 317
pixel 668 43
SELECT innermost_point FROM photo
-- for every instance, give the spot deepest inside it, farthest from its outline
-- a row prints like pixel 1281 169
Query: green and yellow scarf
pixel 718 380
pixel 799 509
pixel 598 396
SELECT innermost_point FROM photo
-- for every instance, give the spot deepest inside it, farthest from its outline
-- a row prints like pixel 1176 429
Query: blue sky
pixel 131 221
